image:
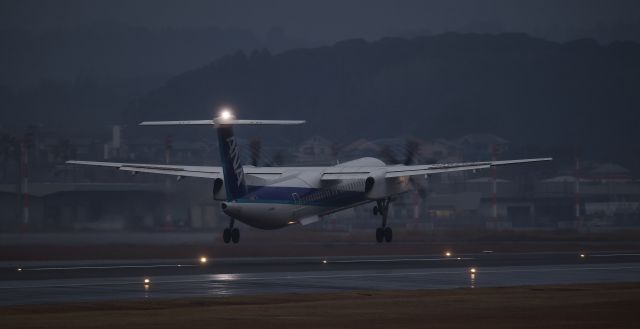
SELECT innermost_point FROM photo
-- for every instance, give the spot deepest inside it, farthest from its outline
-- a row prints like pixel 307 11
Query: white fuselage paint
pixel 322 201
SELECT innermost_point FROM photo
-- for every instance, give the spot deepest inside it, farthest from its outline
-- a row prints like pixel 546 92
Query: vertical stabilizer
pixel 234 178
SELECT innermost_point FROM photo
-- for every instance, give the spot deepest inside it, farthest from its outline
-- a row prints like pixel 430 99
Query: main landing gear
pixel 383 233
pixel 231 234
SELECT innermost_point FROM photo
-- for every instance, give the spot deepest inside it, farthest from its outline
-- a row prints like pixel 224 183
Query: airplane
pixel 277 197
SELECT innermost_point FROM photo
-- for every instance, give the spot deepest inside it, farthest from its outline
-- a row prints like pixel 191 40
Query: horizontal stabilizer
pixel 177 123
pixel 221 122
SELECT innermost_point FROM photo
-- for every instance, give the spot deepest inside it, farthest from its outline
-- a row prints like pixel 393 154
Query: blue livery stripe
pixel 302 196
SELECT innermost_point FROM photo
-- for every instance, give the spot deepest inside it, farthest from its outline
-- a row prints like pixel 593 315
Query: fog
pixel 414 82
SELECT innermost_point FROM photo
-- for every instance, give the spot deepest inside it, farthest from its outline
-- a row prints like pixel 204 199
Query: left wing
pixel 180 171
pixel 186 171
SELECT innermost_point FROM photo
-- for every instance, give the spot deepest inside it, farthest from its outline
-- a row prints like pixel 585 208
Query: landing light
pixel 203 260
pixel 583 255
pixel 19 270
pixel 146 281
pixel 225 114
pixel 324 261
pixel 291 222
pixel 447 253
pixel 472 270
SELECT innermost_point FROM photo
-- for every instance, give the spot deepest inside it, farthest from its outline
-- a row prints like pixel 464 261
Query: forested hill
pixel 527 90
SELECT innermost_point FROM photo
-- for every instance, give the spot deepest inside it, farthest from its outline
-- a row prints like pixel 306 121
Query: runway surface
pixel 54 282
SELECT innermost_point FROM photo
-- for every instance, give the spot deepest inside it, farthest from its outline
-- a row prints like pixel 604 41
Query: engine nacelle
pixel 219 194
pixel 375 186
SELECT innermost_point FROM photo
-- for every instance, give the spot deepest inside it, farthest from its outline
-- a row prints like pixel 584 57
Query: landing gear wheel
pixel 388 234
pixel 379 234
pixel 226 235
pixel 235 235
pixel 383 233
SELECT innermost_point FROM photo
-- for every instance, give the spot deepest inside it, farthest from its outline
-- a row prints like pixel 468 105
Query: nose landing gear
pixel 231 234
pixel 383 233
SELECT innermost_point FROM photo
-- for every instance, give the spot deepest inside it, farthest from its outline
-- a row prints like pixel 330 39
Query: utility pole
pixel 168 219
pixel 25 145
pixel 494 185
pixel 577 194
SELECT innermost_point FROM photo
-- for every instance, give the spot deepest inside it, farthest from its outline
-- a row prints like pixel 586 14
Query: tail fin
pixel 234 178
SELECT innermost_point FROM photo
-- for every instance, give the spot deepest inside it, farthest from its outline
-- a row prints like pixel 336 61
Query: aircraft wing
pixel 185 171
pixel 173 170
pixel 343 173
pixel 329 172
pixel 398 171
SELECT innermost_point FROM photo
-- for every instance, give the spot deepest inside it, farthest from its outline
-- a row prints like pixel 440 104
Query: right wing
pixel 173 170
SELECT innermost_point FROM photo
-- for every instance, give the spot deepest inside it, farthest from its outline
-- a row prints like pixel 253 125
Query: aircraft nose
pixel 224 206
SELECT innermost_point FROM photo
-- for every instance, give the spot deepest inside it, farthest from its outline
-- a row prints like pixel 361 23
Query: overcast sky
pixel 332 20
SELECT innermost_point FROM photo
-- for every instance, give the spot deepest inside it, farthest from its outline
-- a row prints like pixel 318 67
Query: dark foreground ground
pixel 557 306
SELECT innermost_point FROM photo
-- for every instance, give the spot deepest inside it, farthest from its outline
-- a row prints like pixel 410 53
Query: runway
pixel 53 282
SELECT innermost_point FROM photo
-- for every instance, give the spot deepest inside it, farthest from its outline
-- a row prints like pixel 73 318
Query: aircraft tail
pixel 234 177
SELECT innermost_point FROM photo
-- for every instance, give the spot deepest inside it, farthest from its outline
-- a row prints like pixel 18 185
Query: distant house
pixel 610 172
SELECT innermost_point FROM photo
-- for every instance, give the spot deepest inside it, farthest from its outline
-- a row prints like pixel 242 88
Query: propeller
pixel 255 147
pixel 257 154
pixel 411 150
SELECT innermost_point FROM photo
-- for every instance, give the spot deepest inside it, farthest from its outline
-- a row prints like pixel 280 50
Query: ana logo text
pixel 235 159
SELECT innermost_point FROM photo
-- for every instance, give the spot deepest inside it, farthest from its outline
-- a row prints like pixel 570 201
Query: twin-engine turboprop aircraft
pixel 275 197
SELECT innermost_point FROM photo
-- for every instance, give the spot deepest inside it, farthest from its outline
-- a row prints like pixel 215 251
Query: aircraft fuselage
pixel 301 196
